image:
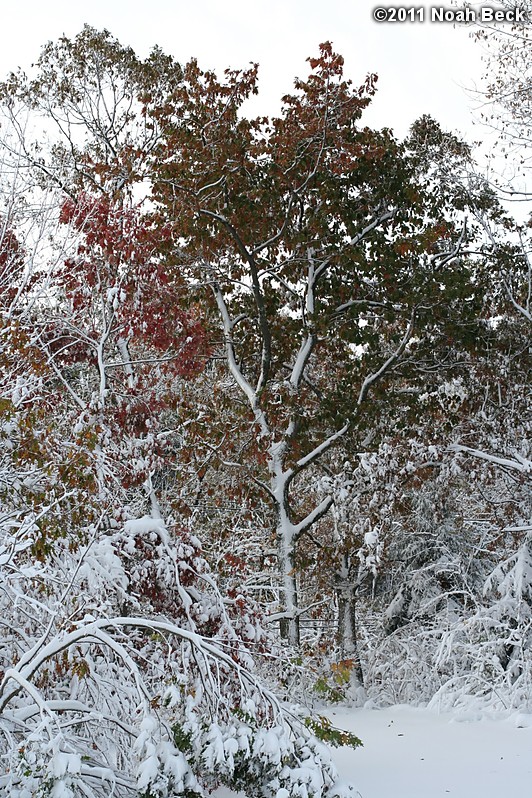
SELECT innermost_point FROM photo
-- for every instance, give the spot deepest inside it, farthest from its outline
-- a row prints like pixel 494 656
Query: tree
pixel 509 100
pixel 346 280
pixel 326 246
pixel 122 667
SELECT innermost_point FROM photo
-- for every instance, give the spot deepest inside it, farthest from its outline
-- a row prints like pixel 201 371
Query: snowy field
pixel 417 753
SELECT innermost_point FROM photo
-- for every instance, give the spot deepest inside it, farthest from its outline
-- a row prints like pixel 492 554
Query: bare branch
pixel 371 379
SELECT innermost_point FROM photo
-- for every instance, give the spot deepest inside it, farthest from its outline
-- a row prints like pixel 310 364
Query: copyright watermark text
pixel 466 15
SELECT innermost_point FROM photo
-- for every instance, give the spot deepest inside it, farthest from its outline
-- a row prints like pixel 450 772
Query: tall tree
pixel 507 101
pixel 335 261
pixel 122 666
pixel 327 247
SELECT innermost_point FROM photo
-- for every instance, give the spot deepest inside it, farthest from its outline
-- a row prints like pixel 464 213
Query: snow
pixel 144 525
pixel 417 753
pixel 371 538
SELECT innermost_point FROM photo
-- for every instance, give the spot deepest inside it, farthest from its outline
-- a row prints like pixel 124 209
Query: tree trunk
pixel 289 625
pixel 286 544
pixel 346 631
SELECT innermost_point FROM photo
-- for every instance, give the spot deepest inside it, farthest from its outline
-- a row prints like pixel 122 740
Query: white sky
pixel 422 67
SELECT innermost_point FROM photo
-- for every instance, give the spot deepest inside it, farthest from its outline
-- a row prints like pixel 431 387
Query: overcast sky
pixel 422 67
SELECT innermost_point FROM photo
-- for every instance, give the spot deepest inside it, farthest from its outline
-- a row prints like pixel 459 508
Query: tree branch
pixel 373 378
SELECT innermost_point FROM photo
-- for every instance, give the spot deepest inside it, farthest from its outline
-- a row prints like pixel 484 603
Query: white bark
pixel 126 360
pixel 518 463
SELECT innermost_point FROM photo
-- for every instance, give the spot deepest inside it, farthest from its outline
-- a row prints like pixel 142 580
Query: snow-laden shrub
pixel 462 656
pixel 95 703
pixel 493 646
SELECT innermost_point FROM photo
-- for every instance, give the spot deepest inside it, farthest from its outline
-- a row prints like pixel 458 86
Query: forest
pixel 264 419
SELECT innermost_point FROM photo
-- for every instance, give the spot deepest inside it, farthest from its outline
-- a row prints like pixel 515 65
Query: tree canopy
pixel 264 389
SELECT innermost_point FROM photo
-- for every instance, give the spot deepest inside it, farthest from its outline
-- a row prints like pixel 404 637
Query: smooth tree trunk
pixel 286 537
pixel 346 596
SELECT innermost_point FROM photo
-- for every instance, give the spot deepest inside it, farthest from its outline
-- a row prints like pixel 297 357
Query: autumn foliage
pixel 242 364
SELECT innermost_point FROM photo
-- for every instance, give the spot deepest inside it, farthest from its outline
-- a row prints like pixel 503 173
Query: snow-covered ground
pixel 418 753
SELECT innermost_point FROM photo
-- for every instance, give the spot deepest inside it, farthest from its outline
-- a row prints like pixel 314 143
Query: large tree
pixel 123 668
pixel 333 262
pixel 334 255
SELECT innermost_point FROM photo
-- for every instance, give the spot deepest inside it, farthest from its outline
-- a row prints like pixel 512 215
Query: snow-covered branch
pixel 323 447
pixel 371 379
pixel 516 463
